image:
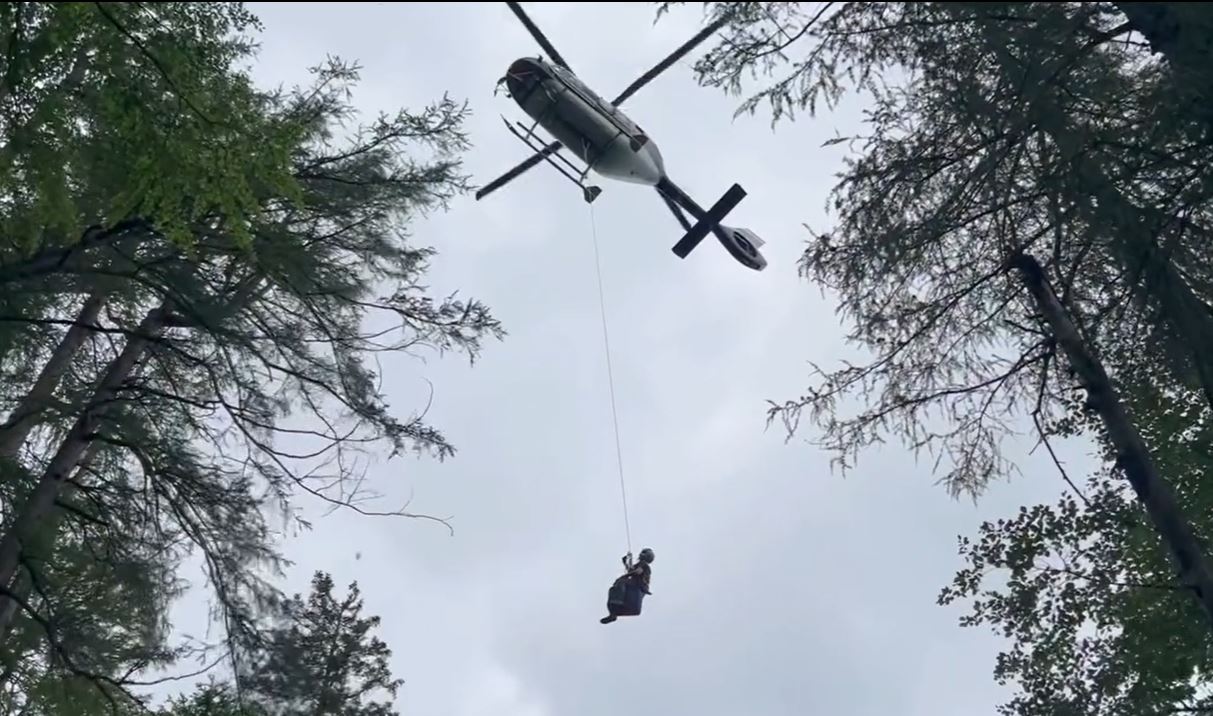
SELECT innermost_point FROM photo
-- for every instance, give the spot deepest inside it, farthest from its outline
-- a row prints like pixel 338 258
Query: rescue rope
pixel 606 341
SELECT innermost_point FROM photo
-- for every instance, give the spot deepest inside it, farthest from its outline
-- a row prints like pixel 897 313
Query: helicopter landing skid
pixel 528 137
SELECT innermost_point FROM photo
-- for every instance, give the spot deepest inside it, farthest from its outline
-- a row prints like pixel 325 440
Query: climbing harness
pixel 606 341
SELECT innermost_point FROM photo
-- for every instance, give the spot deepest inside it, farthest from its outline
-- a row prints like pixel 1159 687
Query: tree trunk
pixel 22 585
pixel 24 418
pixel 1132 455
pixel 73 447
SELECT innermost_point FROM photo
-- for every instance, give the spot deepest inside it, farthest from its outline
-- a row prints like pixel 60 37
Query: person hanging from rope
pixel 628 592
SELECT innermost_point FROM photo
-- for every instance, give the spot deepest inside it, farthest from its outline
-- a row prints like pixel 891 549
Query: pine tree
pixel 323 659
pixel 211 699
pixel 245 256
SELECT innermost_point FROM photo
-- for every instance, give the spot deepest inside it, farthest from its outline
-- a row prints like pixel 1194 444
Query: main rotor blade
pixel 538 35
pixel 513 173
pixel 675 56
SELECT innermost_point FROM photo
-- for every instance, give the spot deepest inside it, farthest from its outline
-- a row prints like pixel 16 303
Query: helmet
pixel 646 555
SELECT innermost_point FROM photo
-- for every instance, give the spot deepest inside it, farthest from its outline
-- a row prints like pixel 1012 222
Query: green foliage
pixel 96 586
pixel 266 240
pixel 1085 592
pixel 995 128
pixel 120 109
pixel 275 335
pixel 954 174
pixel 323 660
pixel 212 699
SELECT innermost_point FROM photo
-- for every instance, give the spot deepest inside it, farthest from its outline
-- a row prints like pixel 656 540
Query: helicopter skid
pixel 527 136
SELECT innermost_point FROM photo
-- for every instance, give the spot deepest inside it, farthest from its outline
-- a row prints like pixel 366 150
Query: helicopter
pixel 609 143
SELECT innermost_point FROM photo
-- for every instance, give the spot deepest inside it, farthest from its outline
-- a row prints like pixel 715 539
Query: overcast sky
pixel 779 588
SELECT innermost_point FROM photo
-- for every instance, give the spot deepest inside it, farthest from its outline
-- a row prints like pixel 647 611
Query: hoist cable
pixel 606 342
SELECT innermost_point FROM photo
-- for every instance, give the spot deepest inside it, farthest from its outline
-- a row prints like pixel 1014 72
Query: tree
pixel 145 98
pixel 93 600
pixel 970 157
pixel 1097 624
pixel 111 114
pixel 226 373
pixel 323 659
pixel 999 132
pixel 211 699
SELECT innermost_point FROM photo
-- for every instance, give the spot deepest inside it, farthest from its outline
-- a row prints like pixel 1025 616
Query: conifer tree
pixel 199 310
pixel 324 659
pixel 1003 136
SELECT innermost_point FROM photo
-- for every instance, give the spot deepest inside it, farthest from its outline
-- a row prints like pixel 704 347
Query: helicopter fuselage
pixel 614 146
pixel 603 137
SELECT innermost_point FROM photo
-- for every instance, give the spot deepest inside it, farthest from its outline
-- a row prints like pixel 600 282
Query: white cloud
pixel 499 693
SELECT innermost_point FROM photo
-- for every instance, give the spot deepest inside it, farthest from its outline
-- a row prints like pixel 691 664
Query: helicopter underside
pixel 604 138
pixel 609 143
